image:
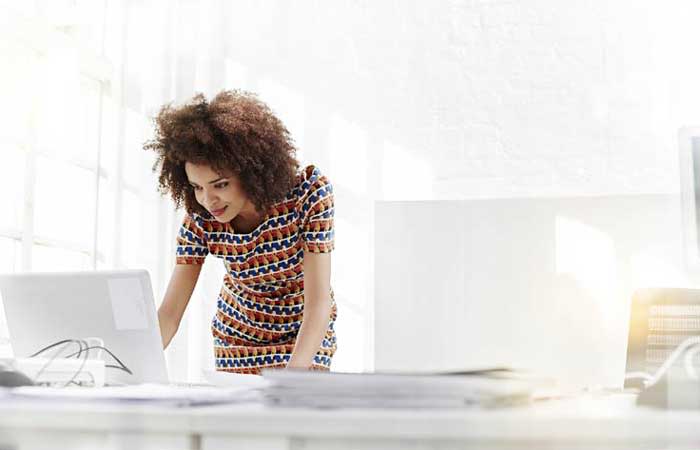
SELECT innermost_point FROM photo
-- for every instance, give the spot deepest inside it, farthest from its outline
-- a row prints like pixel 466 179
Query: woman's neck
pixel 248 220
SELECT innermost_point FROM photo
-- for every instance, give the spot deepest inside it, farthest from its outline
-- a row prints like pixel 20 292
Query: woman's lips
pixel 218 212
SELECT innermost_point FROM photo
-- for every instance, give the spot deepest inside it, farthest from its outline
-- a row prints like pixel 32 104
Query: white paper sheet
pixel 156 394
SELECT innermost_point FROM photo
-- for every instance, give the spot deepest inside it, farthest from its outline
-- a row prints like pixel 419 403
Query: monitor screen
pixel 689 167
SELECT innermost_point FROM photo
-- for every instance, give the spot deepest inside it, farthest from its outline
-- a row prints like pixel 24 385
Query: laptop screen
pixel 117 307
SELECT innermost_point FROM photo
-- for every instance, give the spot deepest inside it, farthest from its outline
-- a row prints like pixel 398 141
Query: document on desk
pixel 155 394
pixel 384 390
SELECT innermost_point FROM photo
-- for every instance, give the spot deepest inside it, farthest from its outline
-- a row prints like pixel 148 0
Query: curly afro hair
pixel 235 132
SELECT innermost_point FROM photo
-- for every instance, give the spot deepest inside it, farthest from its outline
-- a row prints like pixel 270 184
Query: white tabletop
pixel 590 420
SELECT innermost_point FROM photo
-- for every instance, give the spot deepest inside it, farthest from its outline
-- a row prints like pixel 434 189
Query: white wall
pixel 495 98
pixel 463 99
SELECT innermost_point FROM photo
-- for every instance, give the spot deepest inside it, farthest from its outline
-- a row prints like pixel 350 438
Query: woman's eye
pixel 220 185
pixel 196 188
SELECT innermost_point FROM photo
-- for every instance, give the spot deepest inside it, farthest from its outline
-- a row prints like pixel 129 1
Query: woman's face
pixel 220 194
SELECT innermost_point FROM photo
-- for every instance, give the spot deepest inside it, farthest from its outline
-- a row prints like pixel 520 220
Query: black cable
pixel 52 346
pixel 82 364
pixel 119 367
pixel 81 347
pixel 123 366
pixel 84 347
pixel 65 343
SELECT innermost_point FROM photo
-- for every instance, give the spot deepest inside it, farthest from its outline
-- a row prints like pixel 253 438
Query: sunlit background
pixel 393 100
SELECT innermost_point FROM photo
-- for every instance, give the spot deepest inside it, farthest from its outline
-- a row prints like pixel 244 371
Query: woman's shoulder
pixel 309 178
pixel 312 186
pixel 309 173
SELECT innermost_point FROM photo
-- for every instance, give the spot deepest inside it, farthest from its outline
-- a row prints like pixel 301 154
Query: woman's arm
pixel 317 309
pixel 177 296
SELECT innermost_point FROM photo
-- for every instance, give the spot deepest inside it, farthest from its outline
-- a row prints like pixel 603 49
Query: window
pixel 76 192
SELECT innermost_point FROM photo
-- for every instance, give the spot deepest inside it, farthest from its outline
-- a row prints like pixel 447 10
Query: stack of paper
pixel 373 390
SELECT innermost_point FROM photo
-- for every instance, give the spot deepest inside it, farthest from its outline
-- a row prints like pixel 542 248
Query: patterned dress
pixel 261 303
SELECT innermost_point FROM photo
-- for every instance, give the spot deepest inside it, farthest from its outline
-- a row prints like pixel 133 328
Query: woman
pixel 232 164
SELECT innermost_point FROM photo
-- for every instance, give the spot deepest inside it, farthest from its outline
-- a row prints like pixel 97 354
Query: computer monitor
pixel 535 283
pixel 114 306
pixel 689 165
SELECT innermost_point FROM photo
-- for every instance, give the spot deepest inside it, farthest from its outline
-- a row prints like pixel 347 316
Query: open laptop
pixel 114 306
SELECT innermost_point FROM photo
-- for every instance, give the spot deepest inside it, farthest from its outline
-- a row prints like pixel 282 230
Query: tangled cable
pixel 83 349
pixel 690 346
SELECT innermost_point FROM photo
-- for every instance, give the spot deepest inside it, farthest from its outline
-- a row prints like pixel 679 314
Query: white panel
pixel 535 283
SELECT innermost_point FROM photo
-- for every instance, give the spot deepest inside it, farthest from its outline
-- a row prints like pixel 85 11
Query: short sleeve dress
pixel 261 302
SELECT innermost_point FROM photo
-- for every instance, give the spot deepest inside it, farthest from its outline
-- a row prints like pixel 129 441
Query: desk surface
pixel 588 421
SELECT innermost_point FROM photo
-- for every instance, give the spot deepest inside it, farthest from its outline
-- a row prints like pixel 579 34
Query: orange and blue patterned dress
pixel 261 302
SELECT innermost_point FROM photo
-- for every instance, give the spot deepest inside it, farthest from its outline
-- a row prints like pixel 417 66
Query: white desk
pixel 585 423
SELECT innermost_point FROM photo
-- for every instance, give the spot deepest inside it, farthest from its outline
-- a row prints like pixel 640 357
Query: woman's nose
pixel 209 198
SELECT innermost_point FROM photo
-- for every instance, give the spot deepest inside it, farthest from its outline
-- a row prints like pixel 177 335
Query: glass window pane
pixel 64 206
pixel 54 259
pixel 69 118
pixel 152 235
pixel 5 348
pixel 106 210
pixel 26 7
pixel 10 254
pixel 110 122
pixel 83 20
pixel 59 121
pixel 140 233
pixel 114 32
pixel 137 163
pixel 18 81
pixel 131 222
pixel 12 188
pixel 86 124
